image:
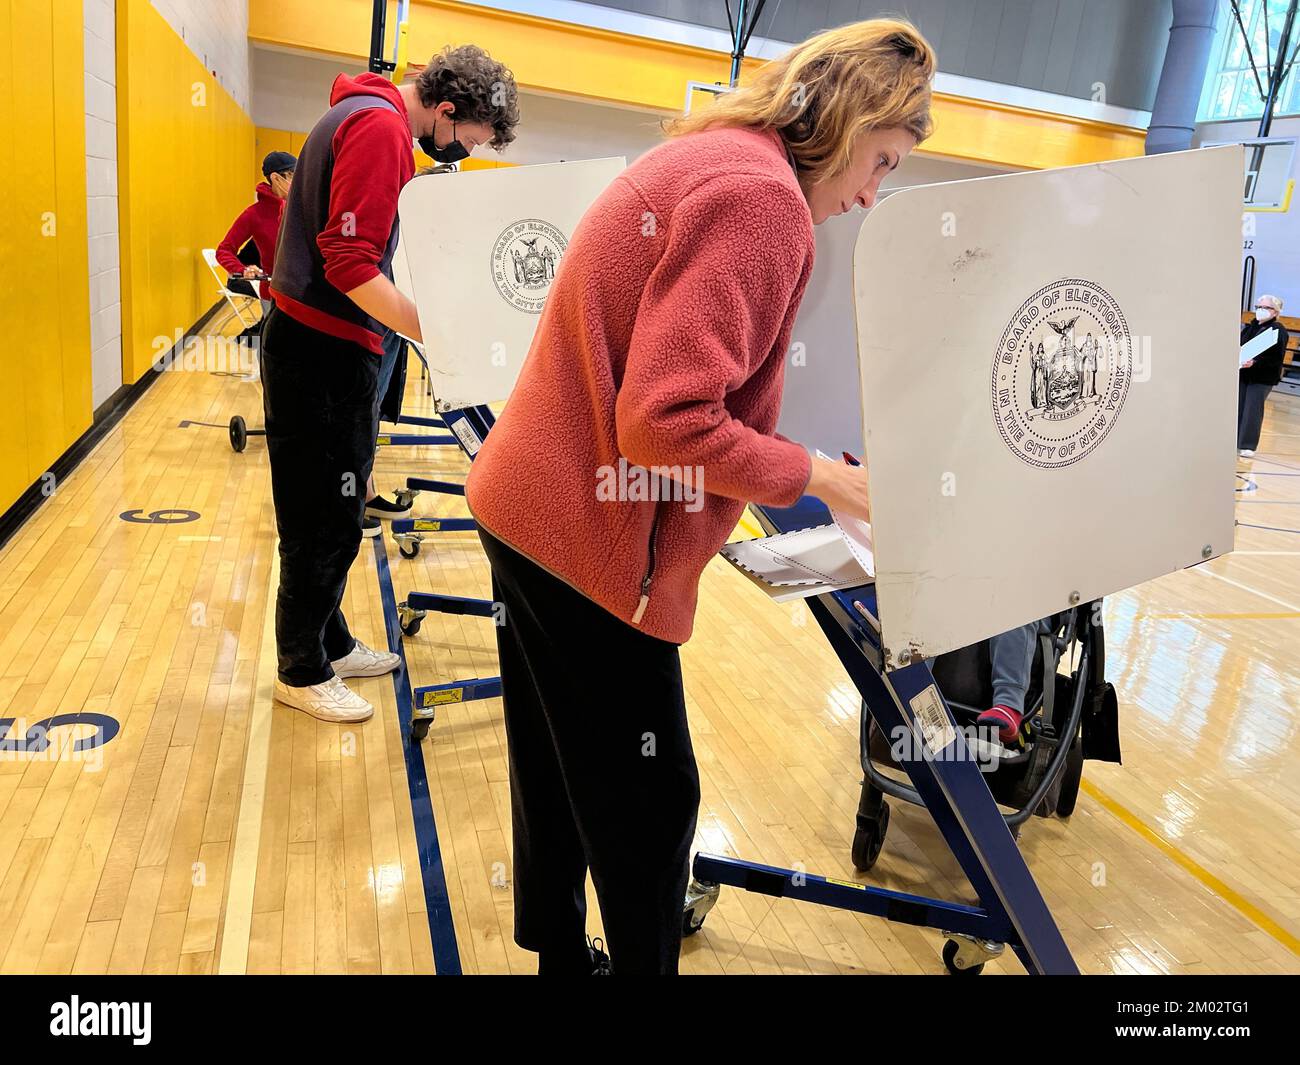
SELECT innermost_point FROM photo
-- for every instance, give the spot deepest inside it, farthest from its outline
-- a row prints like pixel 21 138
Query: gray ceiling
pixel 1061 46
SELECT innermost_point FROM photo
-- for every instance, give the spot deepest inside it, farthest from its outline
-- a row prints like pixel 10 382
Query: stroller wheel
pixel 869 838
pixel 1071 777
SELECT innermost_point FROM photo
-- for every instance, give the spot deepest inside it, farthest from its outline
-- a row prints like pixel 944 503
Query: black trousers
pixel 319 397
pixel 1250 413
pixel 248 288
pixel 602 774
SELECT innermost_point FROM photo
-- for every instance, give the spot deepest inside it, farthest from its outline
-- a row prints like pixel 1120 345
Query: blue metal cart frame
pixel 469 427
pixel 1011 910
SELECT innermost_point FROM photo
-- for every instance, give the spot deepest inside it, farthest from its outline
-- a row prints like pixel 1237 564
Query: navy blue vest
pixel 299 265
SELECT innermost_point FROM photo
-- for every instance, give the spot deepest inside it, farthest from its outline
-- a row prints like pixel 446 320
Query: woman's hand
pixel 841 486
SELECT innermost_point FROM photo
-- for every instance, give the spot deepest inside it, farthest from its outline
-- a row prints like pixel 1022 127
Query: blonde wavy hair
pixel 822 94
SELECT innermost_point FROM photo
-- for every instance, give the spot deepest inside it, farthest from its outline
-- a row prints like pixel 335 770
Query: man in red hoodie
pixel 334 302
pixel 261 223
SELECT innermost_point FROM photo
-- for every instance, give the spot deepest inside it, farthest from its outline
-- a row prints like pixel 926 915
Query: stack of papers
pixel 808 562
pixel 1257 345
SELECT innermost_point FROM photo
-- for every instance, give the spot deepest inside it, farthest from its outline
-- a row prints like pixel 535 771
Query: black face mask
pixel 454 152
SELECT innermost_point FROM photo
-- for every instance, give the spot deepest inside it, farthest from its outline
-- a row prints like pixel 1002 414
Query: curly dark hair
pixel 482 89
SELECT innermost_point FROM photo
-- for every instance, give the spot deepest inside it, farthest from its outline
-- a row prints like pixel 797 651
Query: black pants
pixel 244 287
pixel 319 396
pixel 1250 413
pixel 602 774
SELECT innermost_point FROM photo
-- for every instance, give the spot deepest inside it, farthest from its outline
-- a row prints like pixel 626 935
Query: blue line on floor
pixel 442 930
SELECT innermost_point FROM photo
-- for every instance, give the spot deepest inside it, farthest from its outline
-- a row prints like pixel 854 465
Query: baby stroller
pixel 1068 718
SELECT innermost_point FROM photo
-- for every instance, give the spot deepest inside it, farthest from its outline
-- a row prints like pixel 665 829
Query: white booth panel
pixel 1048 373
pixel 481 249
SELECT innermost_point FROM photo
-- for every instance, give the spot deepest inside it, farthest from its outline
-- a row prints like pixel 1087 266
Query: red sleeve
pixel 236 237
pixel 720 298
pixel 373 159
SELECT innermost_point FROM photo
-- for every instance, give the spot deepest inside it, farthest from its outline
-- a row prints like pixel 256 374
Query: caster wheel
pixel 690 925
pixel 869 838
pixel 408 550
pixel 420 729
pixel 238 434
pixel 405 497
pixel 950 961
pixel 412 628
pixel 1071 777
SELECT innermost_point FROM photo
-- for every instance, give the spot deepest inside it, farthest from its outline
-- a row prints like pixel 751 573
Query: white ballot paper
pixel 1258 345
pixel 796 565
pixel 857 534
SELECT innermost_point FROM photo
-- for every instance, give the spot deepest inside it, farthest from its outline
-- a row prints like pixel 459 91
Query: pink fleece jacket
pixel 662 344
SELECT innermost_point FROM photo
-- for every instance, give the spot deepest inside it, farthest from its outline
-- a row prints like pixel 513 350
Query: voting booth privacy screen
pixel 1048 373
pixel 480 250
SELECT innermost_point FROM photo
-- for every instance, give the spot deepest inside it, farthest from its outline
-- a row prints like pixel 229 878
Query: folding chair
pixel 210 257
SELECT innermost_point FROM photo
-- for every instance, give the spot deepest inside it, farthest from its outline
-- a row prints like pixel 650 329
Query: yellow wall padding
pixel 272 140
pixel 583 62
pixel 185 156
pixel 44 290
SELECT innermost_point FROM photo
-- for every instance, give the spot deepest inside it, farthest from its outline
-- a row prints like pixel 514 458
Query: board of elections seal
pixel 524 260
pixel 1061 373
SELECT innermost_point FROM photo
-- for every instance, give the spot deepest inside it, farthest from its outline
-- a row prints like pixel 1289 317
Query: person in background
pixel 663 345
pixel 390 405
pixel 378 506
pixel 1011 655
pixel 335 302
pixel 1258 376
pixel 260 223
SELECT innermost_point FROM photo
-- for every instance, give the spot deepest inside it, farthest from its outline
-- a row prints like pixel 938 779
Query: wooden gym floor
pixel 217 832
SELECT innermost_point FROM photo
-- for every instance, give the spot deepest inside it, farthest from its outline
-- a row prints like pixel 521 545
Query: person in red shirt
pixel 334 303
pixel 261 224
pixel 662 346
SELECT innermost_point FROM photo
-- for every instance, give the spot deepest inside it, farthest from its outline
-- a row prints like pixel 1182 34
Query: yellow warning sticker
pixel 846 883
pixel 424 525
pixel 382 440
pixel 444 695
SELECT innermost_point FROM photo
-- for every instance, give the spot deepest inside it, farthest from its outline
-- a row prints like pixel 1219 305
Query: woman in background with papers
pixel 1258 374
pixel 662 347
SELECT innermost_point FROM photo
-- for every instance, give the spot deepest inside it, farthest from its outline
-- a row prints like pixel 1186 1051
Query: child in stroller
pixel 1026 723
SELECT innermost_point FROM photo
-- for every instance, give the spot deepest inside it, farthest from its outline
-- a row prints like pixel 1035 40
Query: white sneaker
pixel 331 700
pixel 1245 454
pixel 361 661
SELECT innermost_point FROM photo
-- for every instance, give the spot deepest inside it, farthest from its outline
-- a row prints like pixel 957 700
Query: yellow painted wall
pixel 282 140
pixel 44 291
pixel 582 62
pixel 185 153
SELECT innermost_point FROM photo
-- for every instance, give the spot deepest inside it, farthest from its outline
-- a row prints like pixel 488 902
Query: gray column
pixel 1173 117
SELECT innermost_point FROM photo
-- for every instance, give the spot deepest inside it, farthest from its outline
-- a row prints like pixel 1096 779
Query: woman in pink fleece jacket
pixel 662 348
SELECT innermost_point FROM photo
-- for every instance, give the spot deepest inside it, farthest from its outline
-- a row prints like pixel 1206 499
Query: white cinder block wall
pixel 100 63
pixel 217 32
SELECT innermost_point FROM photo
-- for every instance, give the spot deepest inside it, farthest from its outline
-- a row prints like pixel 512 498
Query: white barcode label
pixel 932 719
pixel 468 438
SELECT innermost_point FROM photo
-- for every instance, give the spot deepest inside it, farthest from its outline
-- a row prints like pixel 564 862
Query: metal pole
pixel 1278 70
pixel 378 18
pixel 403 9
pixel 738 36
